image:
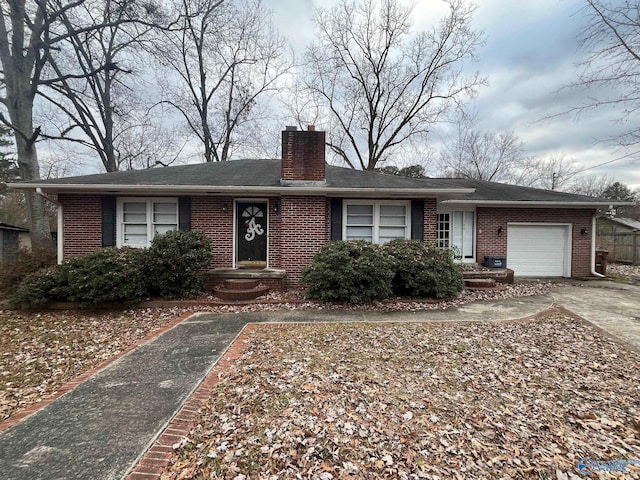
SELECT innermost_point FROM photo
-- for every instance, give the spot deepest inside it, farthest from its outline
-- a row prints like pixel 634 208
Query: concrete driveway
pixel 611 306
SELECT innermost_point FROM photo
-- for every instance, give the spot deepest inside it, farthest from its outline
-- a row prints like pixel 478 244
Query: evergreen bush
pixel 422 270
pixel 41 288
pixel 26 262
pixel 351 271
pixel 175 262
pixel 108 275
pixel 172 267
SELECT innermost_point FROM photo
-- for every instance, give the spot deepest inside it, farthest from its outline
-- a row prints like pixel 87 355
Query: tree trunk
pixel 21 114
pixel 39 227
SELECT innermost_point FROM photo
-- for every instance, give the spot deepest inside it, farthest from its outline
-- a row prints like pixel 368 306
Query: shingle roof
pixel 6 226
pixel 253 173
pixel 493 191
pixel 265 174
pixel 627 222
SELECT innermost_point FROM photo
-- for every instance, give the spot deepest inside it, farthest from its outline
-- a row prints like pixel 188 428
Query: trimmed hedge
pixel 171 267
pixel 358 272
pixel 354 271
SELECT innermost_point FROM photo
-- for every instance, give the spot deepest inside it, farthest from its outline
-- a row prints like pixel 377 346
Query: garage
pixel 539 250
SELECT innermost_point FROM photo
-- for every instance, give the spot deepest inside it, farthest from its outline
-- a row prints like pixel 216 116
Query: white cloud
pixel 531 52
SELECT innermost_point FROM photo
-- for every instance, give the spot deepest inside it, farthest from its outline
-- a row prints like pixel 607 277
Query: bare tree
pixel 103 109
pixel 30 31
pixel 496 157
pixel 556 172
pixel 591 185
pixel 611 71
pixel 23 53
pixel 374 82
pixel 227 56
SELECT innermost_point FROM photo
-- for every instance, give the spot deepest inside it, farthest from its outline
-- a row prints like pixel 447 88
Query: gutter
pixel 60 239
pixel 241 189
pixel 593 249
pixel 534 203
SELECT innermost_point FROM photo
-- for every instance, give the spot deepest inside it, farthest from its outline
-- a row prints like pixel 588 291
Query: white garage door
pixel 539 250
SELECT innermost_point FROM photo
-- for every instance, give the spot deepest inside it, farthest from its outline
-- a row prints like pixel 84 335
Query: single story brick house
pixel 273 216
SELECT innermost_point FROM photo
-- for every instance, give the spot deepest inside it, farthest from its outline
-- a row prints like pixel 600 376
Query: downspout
pixel 593 249
pixel 60 239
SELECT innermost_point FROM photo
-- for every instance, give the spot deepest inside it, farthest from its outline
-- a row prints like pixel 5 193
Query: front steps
pixel 500 275
pixel 237 290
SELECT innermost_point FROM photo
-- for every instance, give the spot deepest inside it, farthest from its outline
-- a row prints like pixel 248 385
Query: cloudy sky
pixel 531 51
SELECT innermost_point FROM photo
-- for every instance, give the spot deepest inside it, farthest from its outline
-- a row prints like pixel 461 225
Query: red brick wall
pixel 208 216
pixel 489 242
pixel 303 155
pixel 430 220
pixel 82 221
pixel 304 227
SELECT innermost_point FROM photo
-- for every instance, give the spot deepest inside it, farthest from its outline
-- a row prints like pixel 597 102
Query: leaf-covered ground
pixel 39 352
pixel 519 399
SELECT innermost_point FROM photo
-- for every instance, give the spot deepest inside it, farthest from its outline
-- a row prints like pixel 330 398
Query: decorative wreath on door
pixel 250 214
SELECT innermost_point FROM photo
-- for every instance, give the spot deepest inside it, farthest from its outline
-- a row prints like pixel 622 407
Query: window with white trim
pixel 141 219
pixel 443 231
pixel 377 222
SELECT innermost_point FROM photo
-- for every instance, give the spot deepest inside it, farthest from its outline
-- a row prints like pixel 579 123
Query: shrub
pixel 108 275
pixel 422 270
pixel 27 261
pixel 175 262
pixel 41 288
pixel 171 267
pixel 352 271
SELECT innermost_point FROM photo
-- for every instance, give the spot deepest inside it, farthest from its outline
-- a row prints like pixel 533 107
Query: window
pixel 376 222
pixel 140 219
pixel 443 231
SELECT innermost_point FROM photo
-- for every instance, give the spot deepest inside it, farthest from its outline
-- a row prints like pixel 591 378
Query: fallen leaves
pixel 522 399
pixel 39 352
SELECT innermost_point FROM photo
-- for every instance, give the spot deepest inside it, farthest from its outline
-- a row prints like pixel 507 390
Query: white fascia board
pixel 534 203
pixel 244 190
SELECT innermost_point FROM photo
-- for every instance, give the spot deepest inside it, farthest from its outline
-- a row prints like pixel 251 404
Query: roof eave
pixel 242 189
pixel 536 203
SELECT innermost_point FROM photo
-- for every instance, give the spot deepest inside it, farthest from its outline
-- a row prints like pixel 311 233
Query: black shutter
pixel 184 213
pixel 108 221
pixel 417 219
pixel 336 219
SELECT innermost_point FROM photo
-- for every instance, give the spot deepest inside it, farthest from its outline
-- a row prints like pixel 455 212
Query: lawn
pixel 517 399
pixel 39 352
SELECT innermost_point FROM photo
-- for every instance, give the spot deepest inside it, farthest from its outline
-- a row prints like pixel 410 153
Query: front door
pixel 251 231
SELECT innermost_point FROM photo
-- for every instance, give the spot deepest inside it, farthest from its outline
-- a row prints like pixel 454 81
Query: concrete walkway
pixel 100 429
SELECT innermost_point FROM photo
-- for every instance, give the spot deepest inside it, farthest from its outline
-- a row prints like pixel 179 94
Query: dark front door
pixel 251 227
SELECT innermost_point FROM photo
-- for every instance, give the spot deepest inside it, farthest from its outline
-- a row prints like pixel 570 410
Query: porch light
pixel 224 207
pixel 276 208
pixel 500 230
pixel 584 232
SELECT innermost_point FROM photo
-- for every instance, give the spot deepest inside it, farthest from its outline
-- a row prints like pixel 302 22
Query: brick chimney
pixel 303 157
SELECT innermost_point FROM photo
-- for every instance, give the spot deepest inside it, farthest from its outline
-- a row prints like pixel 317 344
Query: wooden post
pixel 635 247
